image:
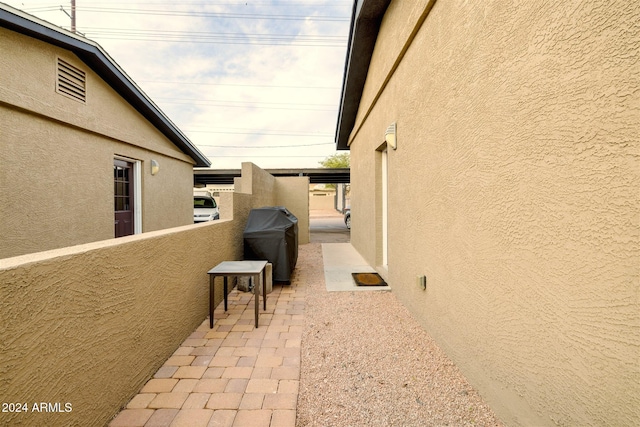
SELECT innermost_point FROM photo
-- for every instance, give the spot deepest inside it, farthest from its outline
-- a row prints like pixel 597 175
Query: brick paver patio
pixel 232 375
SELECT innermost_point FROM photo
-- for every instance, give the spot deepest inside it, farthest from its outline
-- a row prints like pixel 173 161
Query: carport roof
pixel 102 64
pixel 316 176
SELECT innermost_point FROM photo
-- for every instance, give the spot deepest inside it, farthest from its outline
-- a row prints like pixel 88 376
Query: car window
pixel 204 202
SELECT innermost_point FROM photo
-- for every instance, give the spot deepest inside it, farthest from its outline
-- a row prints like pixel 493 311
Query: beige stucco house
pixel 495 153
pixel 85 155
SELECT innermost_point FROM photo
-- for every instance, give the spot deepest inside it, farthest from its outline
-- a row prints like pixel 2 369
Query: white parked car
pixel 205 208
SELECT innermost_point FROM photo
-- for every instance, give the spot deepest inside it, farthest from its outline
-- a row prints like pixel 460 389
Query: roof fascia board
pixel 97 58
pixel 365 24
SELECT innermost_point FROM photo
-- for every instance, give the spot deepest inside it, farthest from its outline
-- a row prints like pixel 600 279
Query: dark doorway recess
pixel 123 197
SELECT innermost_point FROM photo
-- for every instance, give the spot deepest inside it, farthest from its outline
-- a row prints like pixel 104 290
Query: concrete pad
pixel 340 260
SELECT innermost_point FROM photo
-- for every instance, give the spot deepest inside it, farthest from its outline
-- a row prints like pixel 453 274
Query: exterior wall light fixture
pixel 155 167
pixel 390 136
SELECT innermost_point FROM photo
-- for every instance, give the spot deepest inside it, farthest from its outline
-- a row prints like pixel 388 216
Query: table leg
pixel 211 279
pixel 225 293
pixel 264 288
pixel 256 287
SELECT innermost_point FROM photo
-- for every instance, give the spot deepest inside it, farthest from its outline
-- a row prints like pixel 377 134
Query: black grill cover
pixel 272 234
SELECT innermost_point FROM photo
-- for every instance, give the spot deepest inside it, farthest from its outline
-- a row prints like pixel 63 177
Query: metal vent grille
pixel 71 81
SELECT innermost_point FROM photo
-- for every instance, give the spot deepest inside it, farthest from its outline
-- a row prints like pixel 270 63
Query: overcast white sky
pixel 250 80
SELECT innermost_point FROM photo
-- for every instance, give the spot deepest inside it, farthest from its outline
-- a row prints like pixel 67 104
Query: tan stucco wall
pixel 267 190
pixel 88 325
pixel 291 192
pixel 322 200
pixel 258 182
pixel 56 156
pixel 514 189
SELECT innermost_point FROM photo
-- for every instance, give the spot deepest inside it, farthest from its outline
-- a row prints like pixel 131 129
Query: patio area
pixel 309 363
pixel 233 374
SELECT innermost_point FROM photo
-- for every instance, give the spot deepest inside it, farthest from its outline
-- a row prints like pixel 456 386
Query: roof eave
pixel 365 24
pixel 95 57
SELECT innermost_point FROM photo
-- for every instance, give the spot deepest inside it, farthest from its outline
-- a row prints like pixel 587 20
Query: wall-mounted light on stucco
pixel 155 167
pixel 390 136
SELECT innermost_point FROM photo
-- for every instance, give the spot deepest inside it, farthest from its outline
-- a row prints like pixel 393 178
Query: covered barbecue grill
pixel 272 234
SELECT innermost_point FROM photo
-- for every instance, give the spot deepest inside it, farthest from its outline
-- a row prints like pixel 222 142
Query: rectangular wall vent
pixel 71 81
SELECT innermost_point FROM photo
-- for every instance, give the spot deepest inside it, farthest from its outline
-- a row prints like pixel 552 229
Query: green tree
pixel 336 161
pixel 341 160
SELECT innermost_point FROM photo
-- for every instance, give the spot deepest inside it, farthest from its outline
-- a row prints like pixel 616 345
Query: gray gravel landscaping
pixel 366 362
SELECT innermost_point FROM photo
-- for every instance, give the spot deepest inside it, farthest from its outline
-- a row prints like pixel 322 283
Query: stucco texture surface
pixel 56 156
pixel 289 191
pixel 267 190
pixel 89 324
pixel 514 189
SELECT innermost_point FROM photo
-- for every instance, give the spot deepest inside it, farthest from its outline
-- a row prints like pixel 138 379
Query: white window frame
pixel 137 192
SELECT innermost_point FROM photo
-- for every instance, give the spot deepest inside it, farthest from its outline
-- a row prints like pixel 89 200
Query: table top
pixel 238 267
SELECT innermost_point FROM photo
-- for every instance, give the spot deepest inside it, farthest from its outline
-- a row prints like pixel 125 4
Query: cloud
pixel 234 85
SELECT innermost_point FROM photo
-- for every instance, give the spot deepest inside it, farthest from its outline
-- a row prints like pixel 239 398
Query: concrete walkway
pixel 340 260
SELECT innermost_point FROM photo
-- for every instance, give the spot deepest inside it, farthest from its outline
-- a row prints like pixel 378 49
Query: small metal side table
pixel 253 269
